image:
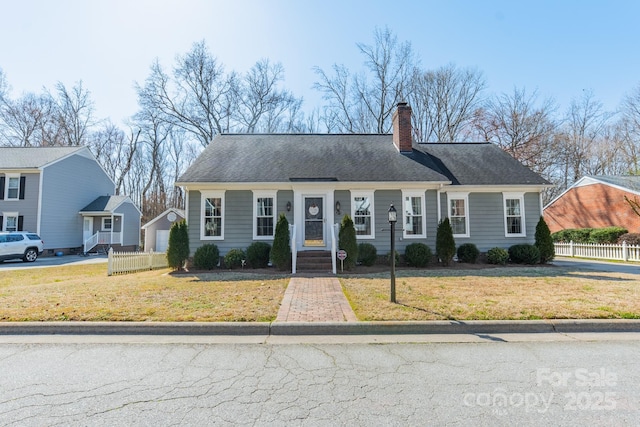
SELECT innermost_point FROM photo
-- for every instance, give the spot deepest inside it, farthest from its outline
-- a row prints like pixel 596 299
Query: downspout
pixel 439 204
pixel 111 231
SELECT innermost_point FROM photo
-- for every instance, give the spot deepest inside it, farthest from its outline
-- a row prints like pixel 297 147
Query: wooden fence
pixel 128 262
pixel 622 252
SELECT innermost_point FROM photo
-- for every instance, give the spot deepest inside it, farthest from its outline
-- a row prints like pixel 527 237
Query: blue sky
pixel 559 48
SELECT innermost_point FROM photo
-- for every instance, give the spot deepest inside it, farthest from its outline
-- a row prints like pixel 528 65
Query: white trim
pixel 6 215
pixel 422 195
pixel 7 179
pixel 523 223
pixel 212 195
pixel 39 209
pixel 264 194
pixel 372 204
pixel 464 196
pixel 178 212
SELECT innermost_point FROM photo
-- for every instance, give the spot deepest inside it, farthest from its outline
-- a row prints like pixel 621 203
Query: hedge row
pixel 589 235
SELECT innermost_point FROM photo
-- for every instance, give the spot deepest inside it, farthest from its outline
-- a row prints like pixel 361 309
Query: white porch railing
pixel 335 229
pixel 622 252
pixel 127 262
pixel 294 248
pixel 102 238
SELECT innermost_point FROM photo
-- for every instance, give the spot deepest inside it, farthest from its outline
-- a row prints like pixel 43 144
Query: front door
pixel 87 228
pixel 314 221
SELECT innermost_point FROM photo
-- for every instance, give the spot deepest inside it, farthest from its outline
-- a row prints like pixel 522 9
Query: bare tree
pixel 444 102
pixel 26 120
pixel 365 102
pixel 74 113
pixel 629 130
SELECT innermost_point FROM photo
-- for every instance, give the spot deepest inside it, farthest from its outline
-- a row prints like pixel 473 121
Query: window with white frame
pixel 10 221
pixel 107 224
pixel 413 208
pixel 362 212
pixel 514 220
pixel 212 224
pixel 459 214
pixel 264 215
pixel 12 191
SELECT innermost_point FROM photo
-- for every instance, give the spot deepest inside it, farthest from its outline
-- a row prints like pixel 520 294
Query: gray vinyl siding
pixel 344 197
pixel 27 207
pixel 68 186
pixel 284 196
pixel 131 224
pixel 486 220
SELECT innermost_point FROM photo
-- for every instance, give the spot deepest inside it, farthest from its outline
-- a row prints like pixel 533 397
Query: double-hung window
pixel 212 215
pixel 12 187
pixel 413 211
pixel 514 221
pixel 459 214
pixel 107 224
pixel 264 203
pixel 362 212
pixel 11 221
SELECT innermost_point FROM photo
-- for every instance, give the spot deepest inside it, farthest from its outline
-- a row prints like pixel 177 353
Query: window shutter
pixel 1 222
pixel 23 181
pixel 2 188
pixel 20 223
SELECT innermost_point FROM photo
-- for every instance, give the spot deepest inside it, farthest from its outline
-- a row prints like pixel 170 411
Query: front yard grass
pixel 86 293
pixel 512 293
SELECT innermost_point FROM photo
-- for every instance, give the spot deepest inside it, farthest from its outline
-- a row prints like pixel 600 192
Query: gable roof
pixel 34 157
pixel 105 204
pixel 178 212
pixel 247 158
pixel 629 183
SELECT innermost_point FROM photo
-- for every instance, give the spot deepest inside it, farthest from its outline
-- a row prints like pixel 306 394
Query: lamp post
pixel 393 217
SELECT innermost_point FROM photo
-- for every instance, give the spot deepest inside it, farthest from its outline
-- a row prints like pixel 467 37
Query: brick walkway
pixel 315 299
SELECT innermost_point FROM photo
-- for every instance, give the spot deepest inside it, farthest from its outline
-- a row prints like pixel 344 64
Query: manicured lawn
pixel 87 293
pixel 501 293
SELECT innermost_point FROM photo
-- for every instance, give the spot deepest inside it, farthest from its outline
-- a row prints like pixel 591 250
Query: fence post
pixel 571 250
pixel 625 255
pixel 151 259
pixel 110 262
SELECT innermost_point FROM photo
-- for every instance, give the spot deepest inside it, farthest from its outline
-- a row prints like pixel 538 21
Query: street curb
pixel 472 327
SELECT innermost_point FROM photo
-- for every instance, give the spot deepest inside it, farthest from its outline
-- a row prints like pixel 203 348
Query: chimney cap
pixel 402 104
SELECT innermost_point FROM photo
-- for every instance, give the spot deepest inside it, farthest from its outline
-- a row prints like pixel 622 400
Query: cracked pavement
pixel 168 384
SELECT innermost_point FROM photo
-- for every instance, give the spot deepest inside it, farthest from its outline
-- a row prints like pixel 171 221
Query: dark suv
pixel 20 245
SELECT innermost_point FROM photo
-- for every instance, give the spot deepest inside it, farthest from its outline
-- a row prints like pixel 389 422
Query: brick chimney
pixel 402 128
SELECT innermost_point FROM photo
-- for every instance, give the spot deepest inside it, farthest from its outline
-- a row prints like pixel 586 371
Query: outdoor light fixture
pixel 338 208
pixel 393 217
pixel 288 206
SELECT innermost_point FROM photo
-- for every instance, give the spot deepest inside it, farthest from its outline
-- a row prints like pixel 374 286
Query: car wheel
pixel 30 255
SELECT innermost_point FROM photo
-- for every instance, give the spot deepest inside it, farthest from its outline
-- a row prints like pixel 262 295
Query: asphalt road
pixel 93 383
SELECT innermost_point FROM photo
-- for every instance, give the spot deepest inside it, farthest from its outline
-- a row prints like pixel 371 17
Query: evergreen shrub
pixel 258 254
pixel 417 255
pixel 468 252
pixel 206 257
pixel 524 254
pixel 367 254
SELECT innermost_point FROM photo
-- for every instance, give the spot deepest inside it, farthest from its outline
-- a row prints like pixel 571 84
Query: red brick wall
pixel 402 128
pixel 592 206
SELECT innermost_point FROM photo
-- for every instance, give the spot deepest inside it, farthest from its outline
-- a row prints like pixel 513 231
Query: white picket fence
pixel 622 252
pixel 128 262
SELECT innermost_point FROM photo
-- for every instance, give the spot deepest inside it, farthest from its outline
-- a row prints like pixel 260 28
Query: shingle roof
pixel 32 157
pixel 104 204
pixel 632 182
pixel 351 158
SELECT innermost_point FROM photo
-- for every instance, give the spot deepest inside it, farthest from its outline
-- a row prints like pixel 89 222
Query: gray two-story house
pixel 241 183
pixel 64 195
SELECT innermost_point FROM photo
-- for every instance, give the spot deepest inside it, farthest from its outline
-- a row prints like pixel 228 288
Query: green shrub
pixel 524 254
pixel 544 242
pixel 281 250
pixel 367 254
pixel 630 238
pixel 347 241
pixel 497 256
pixel 468 252
pixel 606 235
pixel 445 244
pixel 206 257
pixel 233 258
pixel 388 258
pixel 178 249
pixel 417 255
pixel 258 254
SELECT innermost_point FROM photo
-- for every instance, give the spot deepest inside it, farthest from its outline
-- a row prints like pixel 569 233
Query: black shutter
pixel 23 180
pixel 20 222
pixel 1 222
pixel 1 187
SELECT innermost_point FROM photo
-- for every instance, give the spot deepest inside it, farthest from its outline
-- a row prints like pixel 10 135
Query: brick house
pixel 596 202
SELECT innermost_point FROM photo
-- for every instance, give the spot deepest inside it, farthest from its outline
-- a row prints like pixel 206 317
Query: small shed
pixel 156 231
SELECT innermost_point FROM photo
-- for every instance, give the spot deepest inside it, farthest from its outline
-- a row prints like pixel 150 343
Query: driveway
pixel 52 261
pixel 583 264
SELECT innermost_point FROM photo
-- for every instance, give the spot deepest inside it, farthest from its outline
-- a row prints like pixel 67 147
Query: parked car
pixel 20 245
